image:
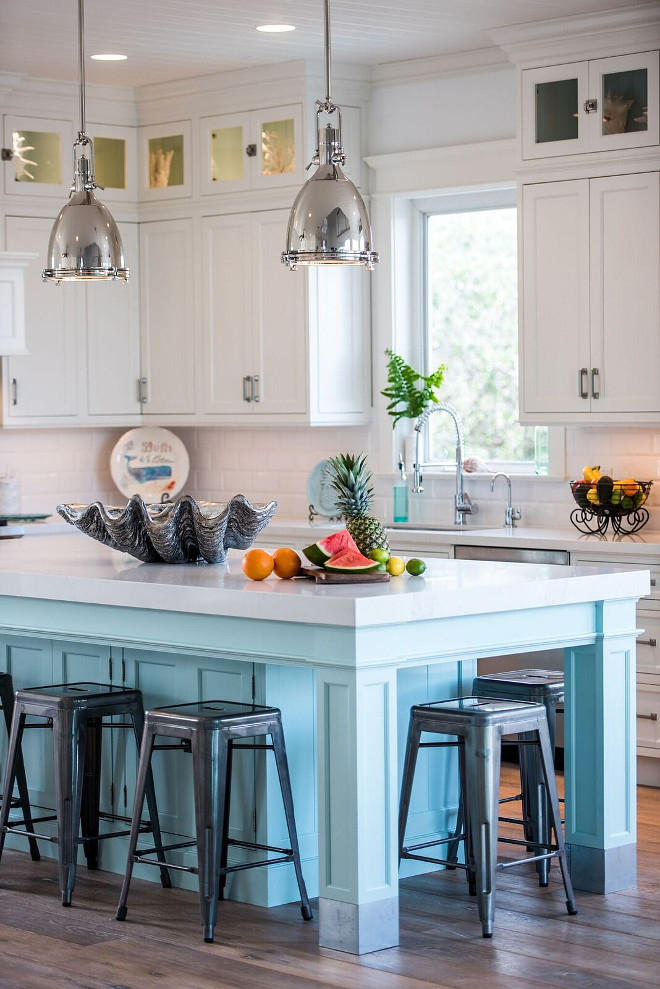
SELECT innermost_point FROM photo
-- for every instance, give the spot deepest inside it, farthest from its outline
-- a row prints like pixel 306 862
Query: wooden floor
pixel 613 943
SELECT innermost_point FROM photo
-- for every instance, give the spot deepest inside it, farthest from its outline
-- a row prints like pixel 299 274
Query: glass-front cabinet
pixel 41 157
pixel 254 150
pixel 605 104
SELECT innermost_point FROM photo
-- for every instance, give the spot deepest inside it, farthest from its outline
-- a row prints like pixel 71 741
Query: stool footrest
pixel 431 844
pixel 427 858
pixel 256 846
pixel 530 858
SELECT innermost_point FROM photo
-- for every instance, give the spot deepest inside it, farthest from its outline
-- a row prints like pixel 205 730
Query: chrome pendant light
pixel 85 244
pixel 329 223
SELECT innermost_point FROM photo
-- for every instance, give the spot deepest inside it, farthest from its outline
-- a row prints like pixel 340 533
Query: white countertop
pixel 74 568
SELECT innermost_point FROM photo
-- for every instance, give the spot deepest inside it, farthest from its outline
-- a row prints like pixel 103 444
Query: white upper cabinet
pixel 279 345
pixel 168 317
pixel 606 104
pixel 12 302
pixel 590 309
pixel 49 382
pixel 260 149
pixel 113 338
pixel 42 163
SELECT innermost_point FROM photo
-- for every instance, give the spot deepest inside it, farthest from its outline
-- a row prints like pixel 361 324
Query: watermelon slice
pixel 319 553
pixel 351 561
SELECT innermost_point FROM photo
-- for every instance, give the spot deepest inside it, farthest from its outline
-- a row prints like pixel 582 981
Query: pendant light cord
pixel 81 46
pixel 326 27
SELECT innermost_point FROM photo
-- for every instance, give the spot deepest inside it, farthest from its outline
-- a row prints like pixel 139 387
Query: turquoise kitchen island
pixel 343 663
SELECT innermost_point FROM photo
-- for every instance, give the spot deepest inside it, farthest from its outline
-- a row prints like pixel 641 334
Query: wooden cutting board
pixel 328 577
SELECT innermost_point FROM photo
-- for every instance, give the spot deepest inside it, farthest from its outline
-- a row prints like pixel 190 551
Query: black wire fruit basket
pixel 606 502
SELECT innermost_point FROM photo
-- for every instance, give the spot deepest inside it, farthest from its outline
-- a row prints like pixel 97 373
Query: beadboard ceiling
pixel 176 39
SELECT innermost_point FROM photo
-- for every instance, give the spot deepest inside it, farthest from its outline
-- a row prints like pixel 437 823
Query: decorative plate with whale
pixel 149 461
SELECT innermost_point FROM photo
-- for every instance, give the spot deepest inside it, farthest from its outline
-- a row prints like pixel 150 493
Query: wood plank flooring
pixel 613 943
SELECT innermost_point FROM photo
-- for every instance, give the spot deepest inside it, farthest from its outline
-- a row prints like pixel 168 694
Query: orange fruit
pixel 286 562
pixel 257 564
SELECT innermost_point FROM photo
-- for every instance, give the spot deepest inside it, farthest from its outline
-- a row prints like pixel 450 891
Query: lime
pixel 381 568
pixel 380 555
pixel 396 566
pixel 415 567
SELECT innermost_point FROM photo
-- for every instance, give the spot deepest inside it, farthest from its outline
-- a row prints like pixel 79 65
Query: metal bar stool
pixel 23 799
pixel 479 723
pixel 74 711
pixel 209 730
pixel 534 687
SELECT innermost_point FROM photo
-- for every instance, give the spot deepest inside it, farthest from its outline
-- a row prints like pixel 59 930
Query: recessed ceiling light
pixel 109 58
pixel 275 28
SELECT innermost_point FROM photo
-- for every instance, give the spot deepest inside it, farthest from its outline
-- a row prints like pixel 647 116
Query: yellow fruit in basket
pixel 592 496
pixel 591 473
pixel 629 486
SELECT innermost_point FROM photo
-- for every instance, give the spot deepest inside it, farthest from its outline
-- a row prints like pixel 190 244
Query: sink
pixel 437 526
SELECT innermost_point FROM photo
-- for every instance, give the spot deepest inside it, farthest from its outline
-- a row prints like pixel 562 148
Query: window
pixel 470 324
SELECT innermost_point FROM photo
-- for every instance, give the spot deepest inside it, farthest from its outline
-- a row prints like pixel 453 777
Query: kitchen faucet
pixel 511 515
pixel 462 504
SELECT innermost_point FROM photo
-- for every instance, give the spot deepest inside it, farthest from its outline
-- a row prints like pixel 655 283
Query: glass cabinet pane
pixel 624 98
pixel 165 161
pixel 278 147
pixel 37 156
pixel 226 154
pixel 110 162
pixel 556 110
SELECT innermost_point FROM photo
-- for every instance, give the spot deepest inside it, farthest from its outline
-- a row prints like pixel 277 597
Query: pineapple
pixel 350 479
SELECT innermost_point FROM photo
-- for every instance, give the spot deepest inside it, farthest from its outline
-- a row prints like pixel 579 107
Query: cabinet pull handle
pixel 583 382
pixel 653 716
pixel 652 582
pixel 256 397
pixel 647 642
pixel 142 391
pixel 14 391
pixel 595 391
pixel 247 388
pixel 590 106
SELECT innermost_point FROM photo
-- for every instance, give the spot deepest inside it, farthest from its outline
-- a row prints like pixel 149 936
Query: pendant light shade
pixel 329 223
pixel 85 243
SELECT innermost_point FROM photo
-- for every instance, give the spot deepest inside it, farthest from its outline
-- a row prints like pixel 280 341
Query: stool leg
pixel 277 736
pixel 144 765
pixel 7 701
pixel 536 797
pixel 483 784
pixel 547 764
pixel 224 854
pixel 137 715
pixel 409 763
pixel 69 742
pixel 15 740
pixel 209 754
pixel 91 794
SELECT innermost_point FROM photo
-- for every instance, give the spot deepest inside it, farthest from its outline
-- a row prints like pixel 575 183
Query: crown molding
pixel 439 67
pixel 582 35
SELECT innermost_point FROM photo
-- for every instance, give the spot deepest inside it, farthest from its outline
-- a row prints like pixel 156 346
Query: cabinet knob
pixel 251 151
pixel 652 581
pixel 590 106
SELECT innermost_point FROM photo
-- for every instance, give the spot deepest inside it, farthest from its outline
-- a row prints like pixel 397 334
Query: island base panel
pixel 603 870
pixel 359 927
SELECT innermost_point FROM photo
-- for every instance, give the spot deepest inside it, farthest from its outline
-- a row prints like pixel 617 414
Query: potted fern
pixel 409 392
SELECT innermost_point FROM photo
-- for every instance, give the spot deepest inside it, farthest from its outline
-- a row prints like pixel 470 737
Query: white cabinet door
pixel 113 338
pixel 555 354
pixel 552 98
pixel 227 314
pixel 280 331
pixel 625 292
pixel 168 317
pixel 49 382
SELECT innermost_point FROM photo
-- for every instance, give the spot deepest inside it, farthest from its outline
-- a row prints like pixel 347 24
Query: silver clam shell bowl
pixel 182 531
